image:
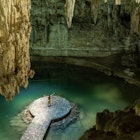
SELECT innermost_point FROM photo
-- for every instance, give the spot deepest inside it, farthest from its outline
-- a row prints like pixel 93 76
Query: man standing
pixel 49 100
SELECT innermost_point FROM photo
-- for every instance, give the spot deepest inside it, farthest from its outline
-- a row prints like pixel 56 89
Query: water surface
pixel 92 92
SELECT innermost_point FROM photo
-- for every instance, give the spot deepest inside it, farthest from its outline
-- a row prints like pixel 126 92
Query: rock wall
pixel 118 125
pixel 14 46
pixel 98 28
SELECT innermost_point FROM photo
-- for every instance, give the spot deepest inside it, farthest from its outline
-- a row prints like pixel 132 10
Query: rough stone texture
pixel 14 46
pixel 137 108
pixel 69 8
pixel 21 121
pixel 117 125
pixel 99 29
pixel 135 17
pixel 66 121
pixel 118 2
pixel 110 34
pixel 108 65
pixel 43 115
pixel 95 9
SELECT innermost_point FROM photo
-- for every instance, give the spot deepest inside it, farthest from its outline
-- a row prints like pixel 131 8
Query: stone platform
pixel 44 115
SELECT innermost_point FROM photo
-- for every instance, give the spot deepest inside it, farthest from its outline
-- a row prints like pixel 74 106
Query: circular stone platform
pixel 44 115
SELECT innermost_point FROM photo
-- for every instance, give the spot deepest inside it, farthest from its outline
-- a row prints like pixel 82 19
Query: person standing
pixel 49 100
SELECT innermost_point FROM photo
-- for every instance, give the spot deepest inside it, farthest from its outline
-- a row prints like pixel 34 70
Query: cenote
pixel 92 91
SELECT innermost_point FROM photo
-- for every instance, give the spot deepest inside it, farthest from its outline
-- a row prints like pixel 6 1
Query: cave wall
pixel 14 46
pixel 98 28
pixel 91 28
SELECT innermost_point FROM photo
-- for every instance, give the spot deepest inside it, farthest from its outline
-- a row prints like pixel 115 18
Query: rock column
pixel 14 46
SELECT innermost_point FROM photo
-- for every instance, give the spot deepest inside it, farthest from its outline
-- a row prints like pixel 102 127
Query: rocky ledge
pixel 119 125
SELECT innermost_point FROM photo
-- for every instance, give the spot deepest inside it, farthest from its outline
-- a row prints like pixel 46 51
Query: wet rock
pixel 128 60
pixel 117 125
pixel 14 47
pixel 129 72
pixel 101 119
pixel 137 108
pixel 72 117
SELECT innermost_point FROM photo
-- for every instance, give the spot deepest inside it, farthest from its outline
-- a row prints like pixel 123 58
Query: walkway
pixel 43 115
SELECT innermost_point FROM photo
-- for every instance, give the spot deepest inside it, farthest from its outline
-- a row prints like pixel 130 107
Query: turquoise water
pixel 92 94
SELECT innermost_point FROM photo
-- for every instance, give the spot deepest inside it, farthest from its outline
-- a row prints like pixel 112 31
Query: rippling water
pixel 91 92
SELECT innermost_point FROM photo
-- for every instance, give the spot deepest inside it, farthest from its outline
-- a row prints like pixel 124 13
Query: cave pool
pixel 90 90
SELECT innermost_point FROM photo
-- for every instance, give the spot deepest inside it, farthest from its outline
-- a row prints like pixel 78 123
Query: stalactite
pixel 14 46
pixel 109 16
pixel 94 9
pixel 69 9
pixel 135 18
pixel 137 1
pixel 118 2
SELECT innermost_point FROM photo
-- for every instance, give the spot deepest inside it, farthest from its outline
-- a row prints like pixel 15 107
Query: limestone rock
pixel 116 125
pixel 129 72
pixel 118 2
pixel 14 46
pixel 94 9
pixel 69 6
pixel 101 119
pixel 111 34
pixel 136 136
pixel 137 1
pixel 137 108
pixel 135 17
pixel 58 36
